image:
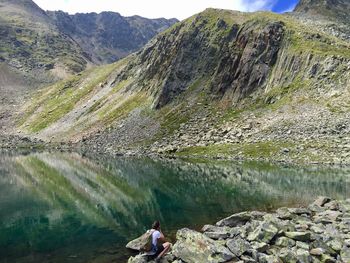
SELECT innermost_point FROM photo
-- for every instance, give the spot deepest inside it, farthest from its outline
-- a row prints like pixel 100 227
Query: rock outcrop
pixel 317 233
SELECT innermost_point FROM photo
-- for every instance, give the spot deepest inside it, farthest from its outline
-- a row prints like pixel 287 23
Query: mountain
pixel 38 48
pixel 108 36
pixel 329 16
pixel 33 53
pixel 30 42
pixel 218 84
pixel 55 42
pixel 334 9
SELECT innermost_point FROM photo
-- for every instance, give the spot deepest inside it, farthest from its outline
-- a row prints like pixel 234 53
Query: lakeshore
pixel 319 232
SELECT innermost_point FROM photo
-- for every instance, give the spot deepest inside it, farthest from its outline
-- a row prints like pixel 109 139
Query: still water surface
pixel 64 207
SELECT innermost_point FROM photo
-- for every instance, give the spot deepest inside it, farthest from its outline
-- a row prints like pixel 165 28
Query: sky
pixel 179 9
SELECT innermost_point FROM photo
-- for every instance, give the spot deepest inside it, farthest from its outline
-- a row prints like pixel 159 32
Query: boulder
pixel 138 259
pixel 217 232
pixel 326 217
pixel 303 245
pixel 287 255
pixel 298 236
pixel 259 246
pixel 283 213
pixel 235 220
pixel 263 258
pixel 321 245
pixel 321 200
pixel 345 254
pixel 303 256
pixel 238 246
pixel 240 219
pixel 336 245
pixel 265 232
pixel 285 242
pixel 332 205
pixel 299 211
pixel 138 243
pixel 192 247
pixel 317 251
pixel 217 235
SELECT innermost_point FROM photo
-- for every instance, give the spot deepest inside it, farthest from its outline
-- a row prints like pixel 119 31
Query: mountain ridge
pixel 221 83
pixel 108 36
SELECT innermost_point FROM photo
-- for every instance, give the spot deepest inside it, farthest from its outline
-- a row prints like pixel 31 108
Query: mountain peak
pixel 335 9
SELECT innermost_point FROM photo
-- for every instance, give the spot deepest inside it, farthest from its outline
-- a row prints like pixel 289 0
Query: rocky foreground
pixel 318 233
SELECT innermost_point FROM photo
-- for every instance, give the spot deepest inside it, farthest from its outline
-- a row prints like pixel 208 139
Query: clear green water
pixel 63 207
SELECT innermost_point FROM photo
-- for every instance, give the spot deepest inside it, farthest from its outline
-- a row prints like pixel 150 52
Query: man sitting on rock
pixel 158 248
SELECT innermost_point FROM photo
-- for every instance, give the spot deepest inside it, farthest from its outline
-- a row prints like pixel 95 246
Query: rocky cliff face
pixel 234 58
pixel 108 36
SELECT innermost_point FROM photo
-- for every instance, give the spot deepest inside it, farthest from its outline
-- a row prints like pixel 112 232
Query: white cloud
pixel 255 5
pixel 153 8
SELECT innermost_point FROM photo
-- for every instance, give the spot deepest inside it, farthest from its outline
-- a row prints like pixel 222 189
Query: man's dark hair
pixel 156 225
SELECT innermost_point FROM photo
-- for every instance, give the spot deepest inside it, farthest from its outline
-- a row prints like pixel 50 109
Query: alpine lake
pixel 69 207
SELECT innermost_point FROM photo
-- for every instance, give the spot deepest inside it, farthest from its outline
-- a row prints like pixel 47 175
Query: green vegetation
pixel 303 38
pixel 56 101
pixel 110 113
pixel 258 150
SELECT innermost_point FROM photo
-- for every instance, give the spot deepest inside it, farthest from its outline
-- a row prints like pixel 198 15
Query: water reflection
pixel 64 207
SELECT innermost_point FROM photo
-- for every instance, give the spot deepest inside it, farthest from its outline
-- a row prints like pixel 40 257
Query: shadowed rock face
pixel 240 73
pixel 108 36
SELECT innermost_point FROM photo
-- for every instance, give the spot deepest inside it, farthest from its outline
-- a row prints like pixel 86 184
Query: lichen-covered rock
pixel 326 217
pixel 238 246
pixel 285 242
pixel 193 247
pixel 320 201
pixel 138 243
pixel 303 256
pixel 259 246
pixel 235 220
pixel 302 245
pixel 216 232
pixel 263 258
pixel 287 256
pixel 299 236
pixel 345 254
pixel 138 259
pixel 284 213
pixel 264 233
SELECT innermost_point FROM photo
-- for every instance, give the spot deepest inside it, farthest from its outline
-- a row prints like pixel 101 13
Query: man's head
pixel 156 225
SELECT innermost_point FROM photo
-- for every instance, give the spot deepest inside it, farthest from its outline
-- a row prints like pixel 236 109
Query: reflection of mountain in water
pixel 54 196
